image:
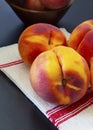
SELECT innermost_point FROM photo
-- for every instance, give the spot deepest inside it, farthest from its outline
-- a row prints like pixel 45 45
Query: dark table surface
pixel 16 111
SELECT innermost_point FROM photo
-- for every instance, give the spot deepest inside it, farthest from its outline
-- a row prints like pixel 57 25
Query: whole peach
pixel 33 5
pixel 54 4
pixel 60 75
pixel 81 39
pixel 91 71
pixel 38 38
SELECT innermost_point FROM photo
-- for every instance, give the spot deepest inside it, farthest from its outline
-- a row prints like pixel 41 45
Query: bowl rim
pixel 38 11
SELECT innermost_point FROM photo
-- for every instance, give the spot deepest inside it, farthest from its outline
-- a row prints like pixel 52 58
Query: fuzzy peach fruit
pixel 81 39
pixel 34 5
pixel 60 75
pixel 38 38
pixel 54 4
pixel 91 71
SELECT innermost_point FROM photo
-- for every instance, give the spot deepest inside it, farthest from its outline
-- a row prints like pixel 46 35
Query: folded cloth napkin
pixel 78 116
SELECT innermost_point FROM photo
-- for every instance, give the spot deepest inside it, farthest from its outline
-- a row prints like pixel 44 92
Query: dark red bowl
pixel 33 16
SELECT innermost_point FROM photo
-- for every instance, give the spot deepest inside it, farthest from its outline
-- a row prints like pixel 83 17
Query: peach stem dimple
pixel 64 82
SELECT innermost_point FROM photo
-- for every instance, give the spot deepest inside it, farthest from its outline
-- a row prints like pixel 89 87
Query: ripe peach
pixel 34 5
pixel 91 71
pixel 38 38
pixel 60 75
pixel 54 4
pixel 81 39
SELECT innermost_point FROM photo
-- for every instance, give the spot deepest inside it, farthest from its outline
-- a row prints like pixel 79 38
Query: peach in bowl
pixel 38 12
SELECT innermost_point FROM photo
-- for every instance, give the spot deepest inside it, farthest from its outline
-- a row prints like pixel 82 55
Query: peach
pixel 34 5
pixel 81 39
pixel 91 71
pixel 60 75
pixel 38 38
pixel 54 4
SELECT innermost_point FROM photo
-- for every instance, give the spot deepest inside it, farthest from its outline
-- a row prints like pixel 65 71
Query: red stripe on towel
pixel 59 114
pixel 11 63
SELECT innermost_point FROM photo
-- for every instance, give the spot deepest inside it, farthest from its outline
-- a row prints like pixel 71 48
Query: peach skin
pixel 54 4
pixel 81 39
pixel 38 38
pixel 33 5
pixel 60 75
pixel 91 71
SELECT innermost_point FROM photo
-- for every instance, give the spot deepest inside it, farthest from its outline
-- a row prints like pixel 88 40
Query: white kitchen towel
pixel 78 116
